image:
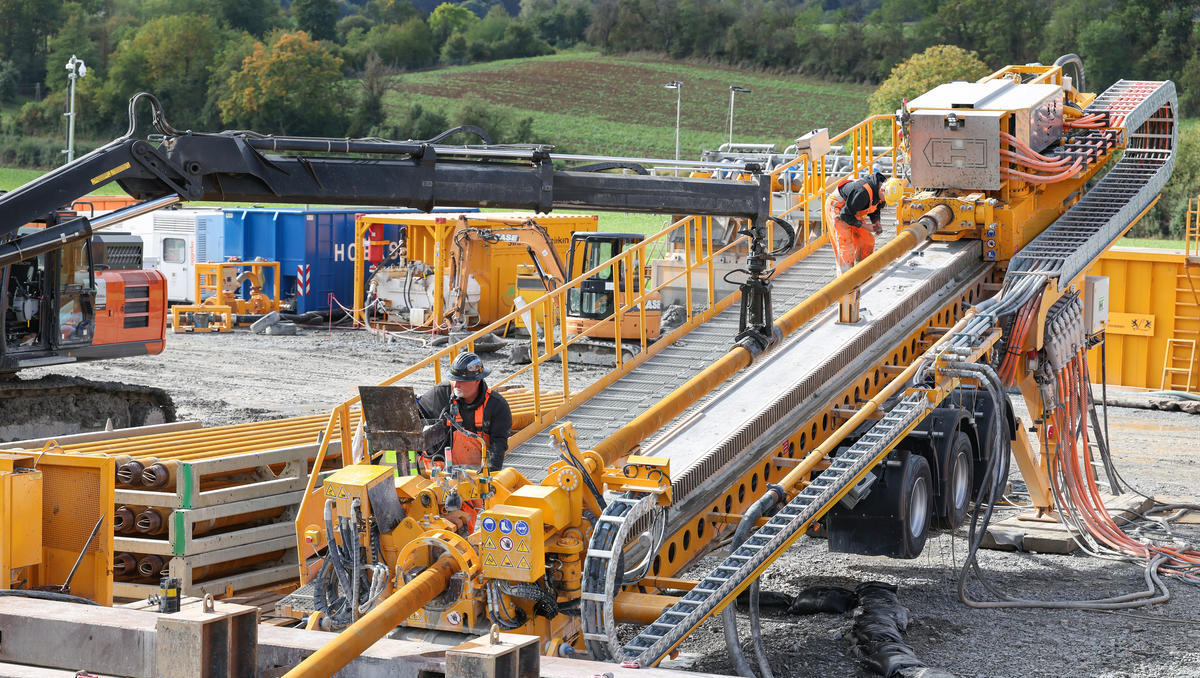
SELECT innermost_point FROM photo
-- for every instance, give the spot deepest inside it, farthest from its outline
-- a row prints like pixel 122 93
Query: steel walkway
pixel 631 395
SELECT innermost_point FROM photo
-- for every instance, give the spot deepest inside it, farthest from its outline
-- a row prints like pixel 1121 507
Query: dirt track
pixel 222 379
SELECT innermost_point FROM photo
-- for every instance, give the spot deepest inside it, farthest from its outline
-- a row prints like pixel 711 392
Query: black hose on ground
pixel 46 595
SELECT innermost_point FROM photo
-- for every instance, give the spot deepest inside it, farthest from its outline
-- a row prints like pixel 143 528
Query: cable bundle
pixel 1023 155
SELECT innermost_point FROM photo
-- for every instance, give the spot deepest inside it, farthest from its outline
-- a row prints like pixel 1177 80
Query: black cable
pixel 47 595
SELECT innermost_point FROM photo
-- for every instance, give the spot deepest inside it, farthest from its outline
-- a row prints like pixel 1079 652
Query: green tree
pixel 409 45
pixel 73 39
pixel 389 11
pixel 448 19
pixel 24 27
pixel 169 57
pixel 1168 218
pixel 455 52
pixel 353 22
pixel 290 87
pixel 253 16
pixel 317 17
pixel 375 82
pixel 924 71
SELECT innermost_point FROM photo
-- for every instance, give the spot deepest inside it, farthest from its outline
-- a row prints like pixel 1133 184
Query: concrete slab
pixel 56 639
pixel 1019 534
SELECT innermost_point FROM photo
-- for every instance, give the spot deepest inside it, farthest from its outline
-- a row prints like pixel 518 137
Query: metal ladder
pixel 722 585
pixel 1170 360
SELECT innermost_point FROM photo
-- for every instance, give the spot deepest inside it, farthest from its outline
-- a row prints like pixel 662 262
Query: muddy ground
pixel 222 379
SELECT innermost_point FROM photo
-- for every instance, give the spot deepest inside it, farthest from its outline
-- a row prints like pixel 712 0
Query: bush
pixel 922 72
pixel 34 152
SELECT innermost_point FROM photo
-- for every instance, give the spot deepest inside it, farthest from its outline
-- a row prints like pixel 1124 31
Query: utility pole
pixel 676 85
pixel 733 91
pixel 75 69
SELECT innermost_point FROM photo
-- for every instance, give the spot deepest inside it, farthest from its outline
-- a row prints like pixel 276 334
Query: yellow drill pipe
pixel 314 422
pixel 377 623
pixel 657 416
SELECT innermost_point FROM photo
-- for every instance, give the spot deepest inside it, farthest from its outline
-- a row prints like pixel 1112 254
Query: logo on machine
pixel 489 524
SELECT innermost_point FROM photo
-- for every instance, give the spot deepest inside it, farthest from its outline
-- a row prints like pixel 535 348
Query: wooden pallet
pixel 254 473
pixel 179 540
pixel 283 569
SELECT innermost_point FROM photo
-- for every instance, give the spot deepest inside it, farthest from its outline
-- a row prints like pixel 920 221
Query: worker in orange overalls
pixel 468 402
pixel 850 206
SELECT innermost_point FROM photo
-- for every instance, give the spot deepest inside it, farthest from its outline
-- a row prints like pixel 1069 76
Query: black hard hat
pixel 467 367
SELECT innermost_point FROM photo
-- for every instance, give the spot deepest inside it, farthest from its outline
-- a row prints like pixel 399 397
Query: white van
pixel 169 238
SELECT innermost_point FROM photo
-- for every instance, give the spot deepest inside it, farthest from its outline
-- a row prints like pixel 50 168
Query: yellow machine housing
pixel 219 286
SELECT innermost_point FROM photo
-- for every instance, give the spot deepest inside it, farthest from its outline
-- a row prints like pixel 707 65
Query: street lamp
pixel 733 91
pixel 676 85
pixel 75 69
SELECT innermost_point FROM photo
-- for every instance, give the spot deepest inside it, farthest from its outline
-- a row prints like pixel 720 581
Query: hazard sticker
pixel 506 525
pixel 507 562
pixel 523 546
pixel 523 563
pixel 489 524
pixel 506 543
pixel 522 528
pixel 489 559
pixel 490 543
pixel 454 618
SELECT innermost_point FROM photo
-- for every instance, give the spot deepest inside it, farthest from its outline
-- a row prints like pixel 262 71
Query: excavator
pixel 590 304
pixel 61 307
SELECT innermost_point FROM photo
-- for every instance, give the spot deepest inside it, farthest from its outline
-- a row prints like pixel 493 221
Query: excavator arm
pixel 236 166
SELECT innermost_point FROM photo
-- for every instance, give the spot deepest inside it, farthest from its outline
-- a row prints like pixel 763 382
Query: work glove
pixel 876 228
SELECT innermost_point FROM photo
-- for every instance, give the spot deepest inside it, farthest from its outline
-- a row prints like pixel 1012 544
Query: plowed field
pixel 617 105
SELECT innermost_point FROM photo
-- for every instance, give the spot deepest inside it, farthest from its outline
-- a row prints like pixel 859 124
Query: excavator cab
pixel 596 298
pixel 50 303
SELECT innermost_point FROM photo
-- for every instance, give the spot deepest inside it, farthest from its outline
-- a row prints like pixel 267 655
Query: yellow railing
pixel 548 313
pixel 1192 234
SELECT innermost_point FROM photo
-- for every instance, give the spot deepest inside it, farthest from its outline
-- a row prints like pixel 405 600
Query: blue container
pixel 314 248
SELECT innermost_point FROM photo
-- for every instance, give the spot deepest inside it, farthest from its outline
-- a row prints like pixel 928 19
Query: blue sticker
pixel 522 528
pixel 505 525
pixel 489 524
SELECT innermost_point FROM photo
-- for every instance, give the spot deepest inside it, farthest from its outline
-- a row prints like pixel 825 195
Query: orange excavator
pixel 590 304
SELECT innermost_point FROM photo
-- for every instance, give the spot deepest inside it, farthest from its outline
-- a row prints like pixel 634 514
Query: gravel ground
pixel 221 379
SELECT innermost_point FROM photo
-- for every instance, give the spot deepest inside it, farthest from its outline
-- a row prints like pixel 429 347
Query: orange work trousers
pixel 851 244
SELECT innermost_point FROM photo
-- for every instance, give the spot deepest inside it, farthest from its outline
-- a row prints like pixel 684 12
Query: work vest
pixel 839 202
pixel 466 449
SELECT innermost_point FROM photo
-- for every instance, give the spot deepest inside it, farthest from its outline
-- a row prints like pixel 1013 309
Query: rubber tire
pixel 916 504
pixel 955 491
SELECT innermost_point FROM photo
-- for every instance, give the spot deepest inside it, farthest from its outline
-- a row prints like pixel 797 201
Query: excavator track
pixel 58 405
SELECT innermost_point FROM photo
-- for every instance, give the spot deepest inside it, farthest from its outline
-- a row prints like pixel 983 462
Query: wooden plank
pixel 97 436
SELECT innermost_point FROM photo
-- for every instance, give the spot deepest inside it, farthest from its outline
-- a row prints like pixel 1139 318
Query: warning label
pixel 506 543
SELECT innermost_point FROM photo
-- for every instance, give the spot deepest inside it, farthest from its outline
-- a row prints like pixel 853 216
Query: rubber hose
pixel 47 595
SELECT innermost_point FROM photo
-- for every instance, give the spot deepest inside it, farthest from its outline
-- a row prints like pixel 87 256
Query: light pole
pixel 75 69
pixel 733 91
pixel 676 85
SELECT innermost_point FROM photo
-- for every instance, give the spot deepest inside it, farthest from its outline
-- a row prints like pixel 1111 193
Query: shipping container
pixel 314 248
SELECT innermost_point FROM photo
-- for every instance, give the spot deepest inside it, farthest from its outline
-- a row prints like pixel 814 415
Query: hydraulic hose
pixel 758 509
pixel 362 634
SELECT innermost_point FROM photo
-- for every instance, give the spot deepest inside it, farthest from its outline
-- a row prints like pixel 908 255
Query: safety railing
pixel 547 316
pixel 1192 233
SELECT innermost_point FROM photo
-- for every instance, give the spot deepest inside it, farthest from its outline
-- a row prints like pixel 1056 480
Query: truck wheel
pixel 956 469
pixel 916 502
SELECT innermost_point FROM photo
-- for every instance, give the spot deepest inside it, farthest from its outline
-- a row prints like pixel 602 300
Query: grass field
pixel 588 103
